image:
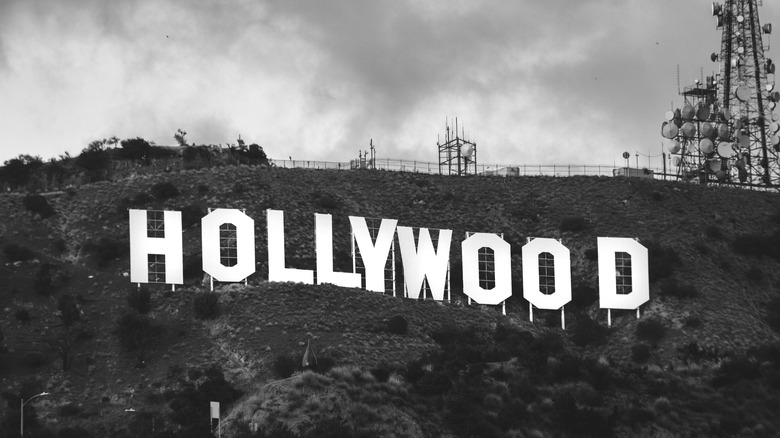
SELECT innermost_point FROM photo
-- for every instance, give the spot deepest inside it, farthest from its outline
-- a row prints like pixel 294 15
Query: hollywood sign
pixel 420 261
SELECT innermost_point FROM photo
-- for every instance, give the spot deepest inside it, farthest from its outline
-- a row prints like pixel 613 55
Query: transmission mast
pixel 727 130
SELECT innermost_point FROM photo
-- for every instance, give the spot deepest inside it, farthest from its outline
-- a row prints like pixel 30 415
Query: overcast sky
pixel 537 82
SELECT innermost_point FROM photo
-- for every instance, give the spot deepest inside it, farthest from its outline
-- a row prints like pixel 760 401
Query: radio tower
pixel 727 130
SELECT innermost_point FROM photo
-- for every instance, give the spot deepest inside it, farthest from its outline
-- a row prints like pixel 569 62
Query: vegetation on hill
pixel 702 360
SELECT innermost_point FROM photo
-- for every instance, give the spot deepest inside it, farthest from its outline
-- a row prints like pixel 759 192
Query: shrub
pixel 191 215
pixel 773 313
pixel 206 305
pixel 106 250
pixel 326 201
pixel 34 359
pixel 137 334
pixel 713 231
pixel 238 188
pixel 284 366
pixel 755 274
pixel 661 260
pixel 39 204
pixel 671 288
pixel 140 299
pixel 164 190
pixel 640 353
pixel 651 330
pixel 68 410
pixel 586 331
pixel 22 315
pixel 574 224
pixel 74 432
pixel 583 296
pixel 381 373
pixel 17 253
pixel 758 245
pixel 397 325
pixel 203 189
pixel 69 310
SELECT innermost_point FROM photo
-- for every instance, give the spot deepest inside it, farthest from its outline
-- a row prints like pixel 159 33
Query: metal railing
pixel 427 167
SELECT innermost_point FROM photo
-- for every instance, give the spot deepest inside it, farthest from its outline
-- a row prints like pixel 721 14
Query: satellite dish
pixel 720 21
pixel 703 112
pixel 733 62
pixel 742 93
pixel 774 96
pixel 676 161
pixel 687 112
pixel 726 113
pixel 740 50
pixel 674 146
pixel 775 117
pixel 725 149
pixel 770 68
pixel 714 57
pixel 468 151
pixel 770 87
pixel 767 28
pixel 688 130
pixel 774 126
pixel 668 130
pixel 743 140
pixel 740 18
pixel 723 131
pixel 714 165
pixel 706 146
pixel 775 140
pixel 707 130
pixel 716 9
pixel 721 175
pixel 669 115
pixel 626 155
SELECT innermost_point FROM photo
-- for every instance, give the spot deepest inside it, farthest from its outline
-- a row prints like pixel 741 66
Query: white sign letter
pixel 374 255
pixel 245 245
pixel 141 246
pixel 561 266
pixel 276 264
pixel 425 261
pixel 609 298
pixel 323 223
pixel 502 268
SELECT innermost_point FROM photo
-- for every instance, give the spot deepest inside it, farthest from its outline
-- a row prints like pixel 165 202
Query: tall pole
pixel 21 410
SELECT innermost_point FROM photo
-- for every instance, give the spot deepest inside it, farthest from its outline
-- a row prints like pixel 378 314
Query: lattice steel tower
pixel 727 130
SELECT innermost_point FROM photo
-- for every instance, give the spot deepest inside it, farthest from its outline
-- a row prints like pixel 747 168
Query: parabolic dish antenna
pixel 676 161
pixel 723 131
pixel 688 112
pixel 714 165
pixel 674 146
pixel 668 130
pixel 669 115
pixel 703 112
pixel 688 130
pixel 742 93
pixel 468 151
pixel 707 130
pixel 725 149
pixel 706 146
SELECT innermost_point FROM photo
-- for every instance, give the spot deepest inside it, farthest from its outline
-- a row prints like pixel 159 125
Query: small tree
pixel 137 334
pixel 69 310
pixel 140 299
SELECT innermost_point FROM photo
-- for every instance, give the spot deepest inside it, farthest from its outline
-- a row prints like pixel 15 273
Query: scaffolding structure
pixel 727 131
pixel 457 156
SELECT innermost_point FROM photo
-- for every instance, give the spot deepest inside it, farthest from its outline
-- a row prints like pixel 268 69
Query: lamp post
pixel 21 430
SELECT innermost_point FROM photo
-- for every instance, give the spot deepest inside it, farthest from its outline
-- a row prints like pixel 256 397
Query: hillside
pixel 714 276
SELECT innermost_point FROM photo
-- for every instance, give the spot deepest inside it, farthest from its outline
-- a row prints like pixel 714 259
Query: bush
pixel 74 432
pixel 68 410
pixel 651 330
pixel 137 334
pixel 284 366
pixel 574 224
pixel 140 299
pixel 397 325
pixel 22 315
pixel 326 201
pixel 661 260
pixel 203 189
pixel 671 288
pixel 755 274
pixel 586 331
pixel 34 359
pixel 758 245
pixel 106 250
pixel 69 310
pixel 39 204
pixel 206 305
pixel 17 253
pixel 583 296
pixel 191 215
pixel 773 313
pixel 164 190
pixel 640 353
